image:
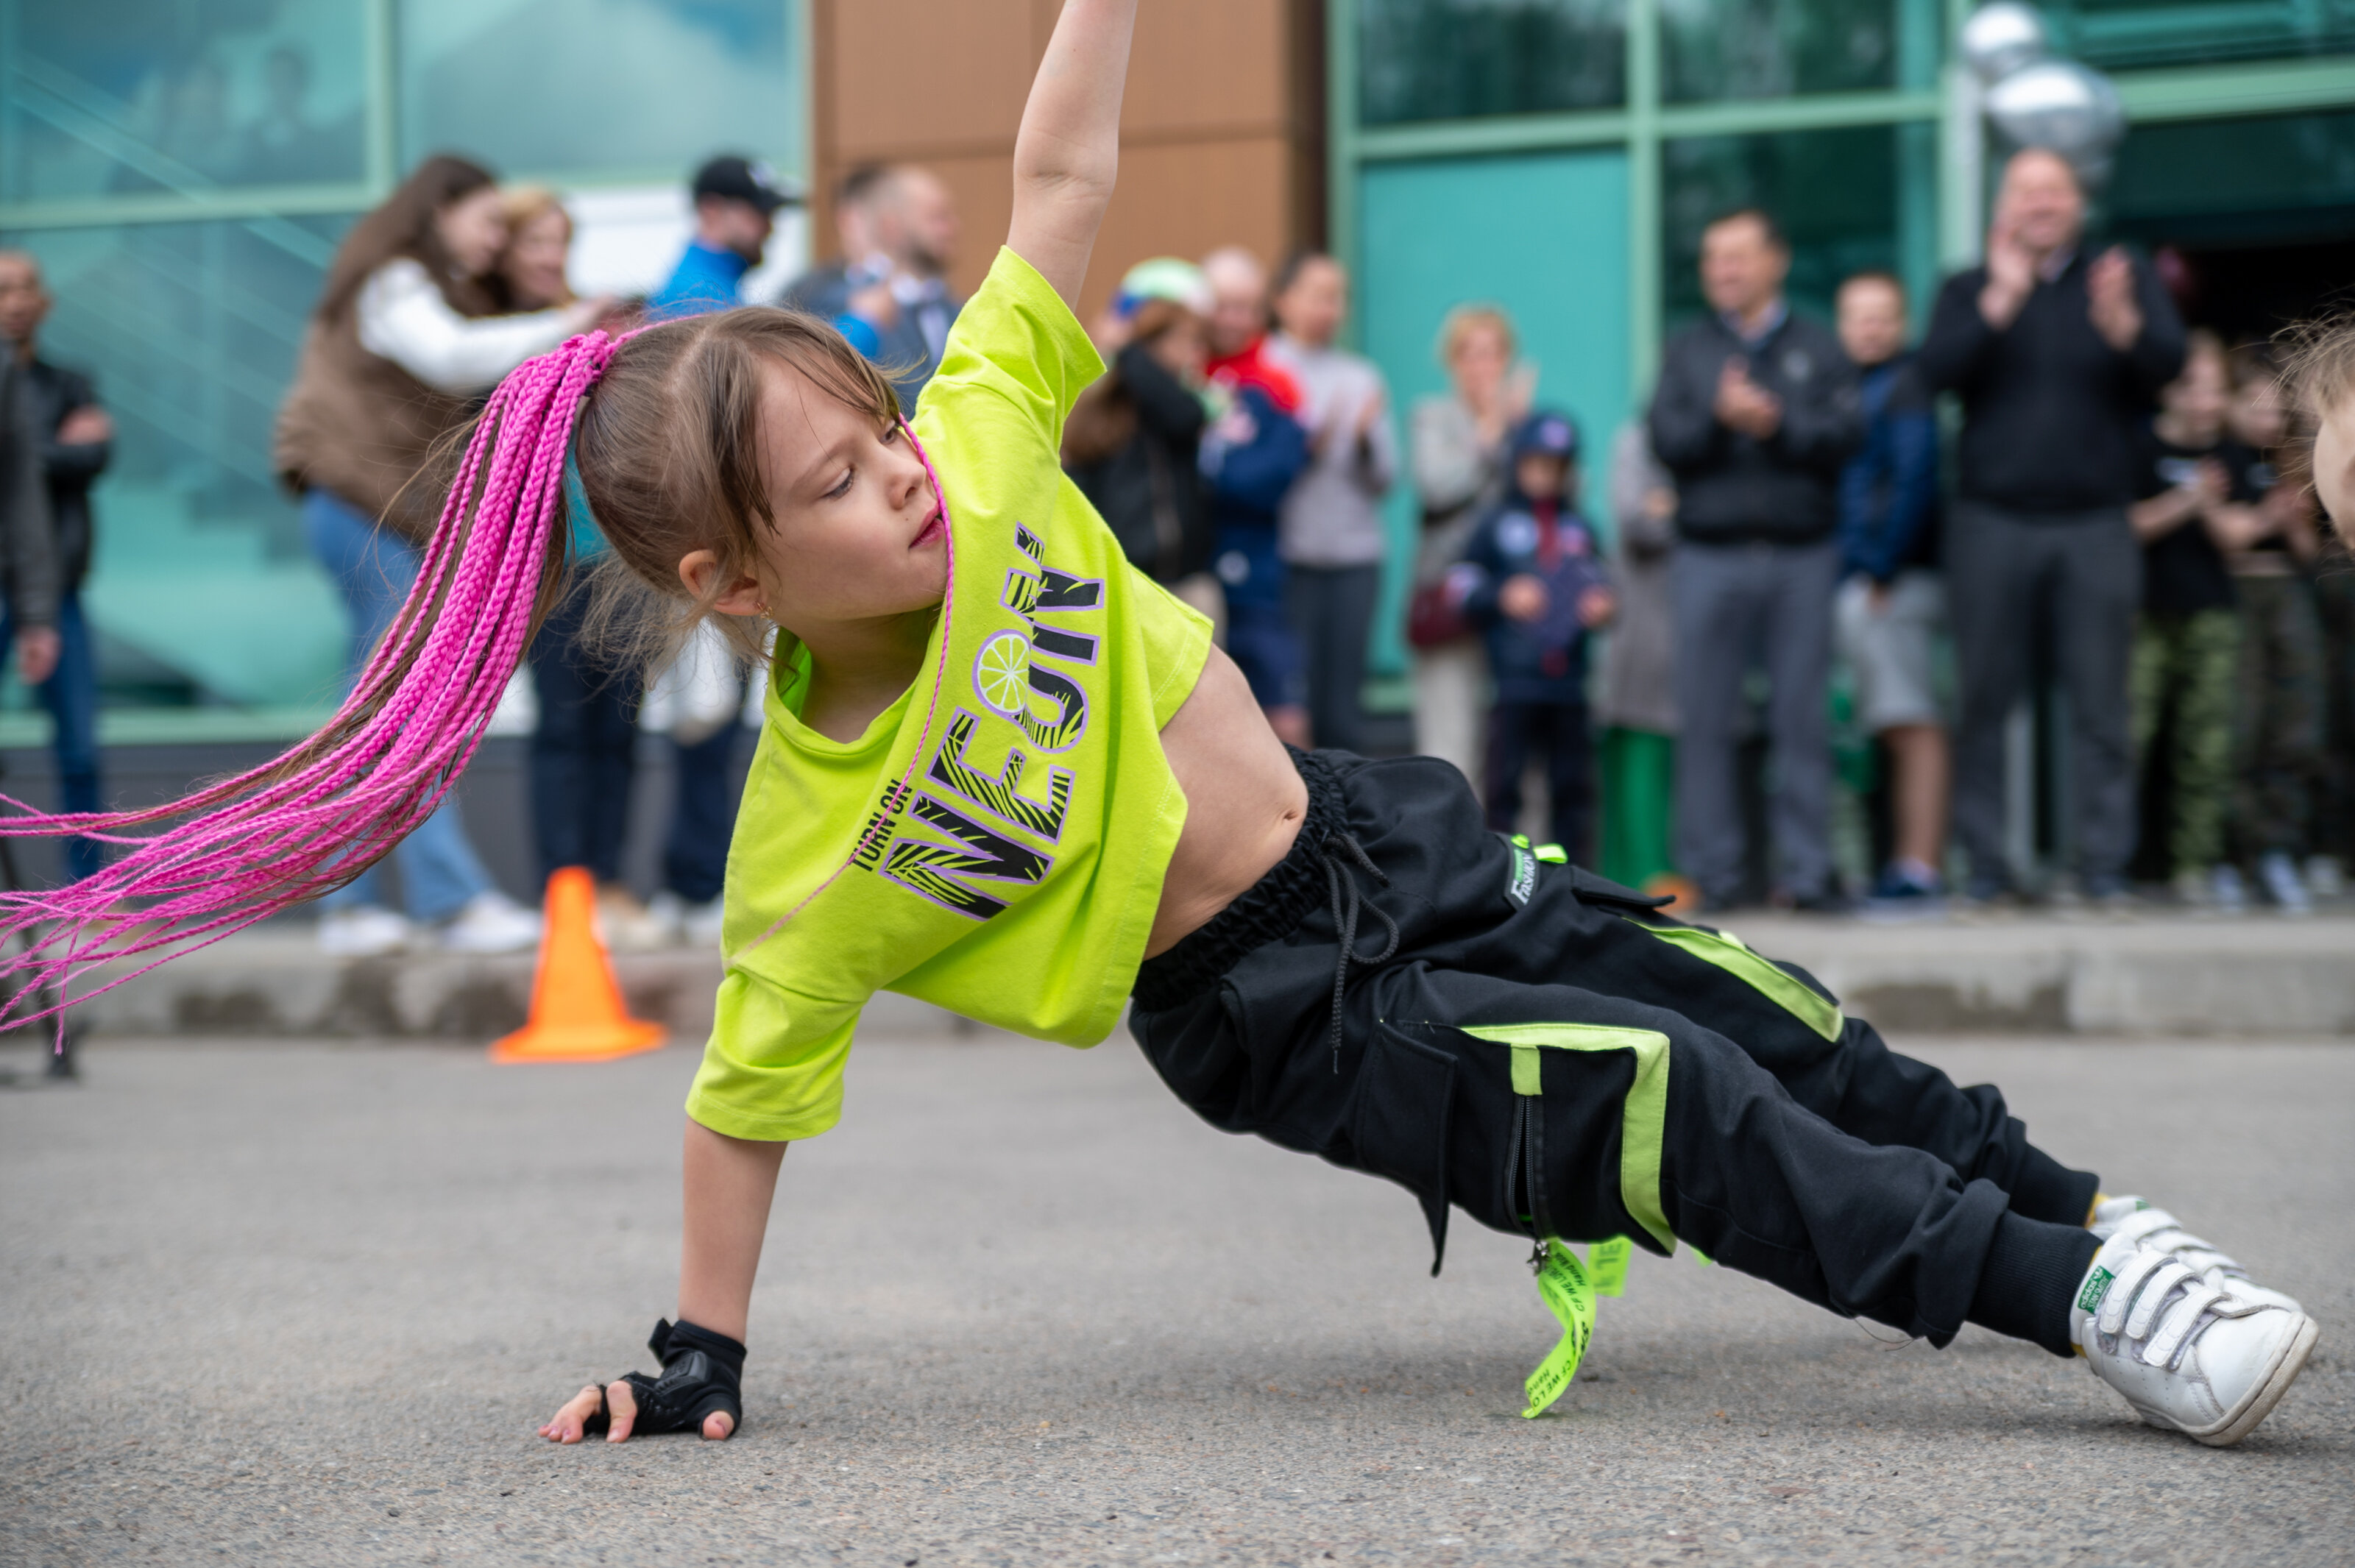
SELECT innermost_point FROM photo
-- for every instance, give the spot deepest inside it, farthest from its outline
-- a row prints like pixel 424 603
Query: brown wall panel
pixel 1208 64
pixel 913 75
pixel 1221 126
pixel 1185 200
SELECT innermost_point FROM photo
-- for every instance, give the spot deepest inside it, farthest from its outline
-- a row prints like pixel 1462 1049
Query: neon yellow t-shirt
pixel 995 842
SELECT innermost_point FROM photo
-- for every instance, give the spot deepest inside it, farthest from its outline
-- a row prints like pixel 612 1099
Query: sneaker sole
pixel 2258 1404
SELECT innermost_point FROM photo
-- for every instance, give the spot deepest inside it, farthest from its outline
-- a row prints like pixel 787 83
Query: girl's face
pixel 2198 398
pixel 858 536
pixel 474 231
pixel 1479 363
pixel 2334 467
pixel 2258 417
pixel 534 263
pixel 1182 349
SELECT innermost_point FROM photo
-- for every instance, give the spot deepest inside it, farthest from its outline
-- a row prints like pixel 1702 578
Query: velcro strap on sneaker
pixel 2166 1346
pixel 2137 1266
pixel 2152 1298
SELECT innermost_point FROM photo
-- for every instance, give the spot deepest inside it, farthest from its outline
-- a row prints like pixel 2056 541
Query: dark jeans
pixel 1562 731
pixel 1546 1053
pixel 1332 612
pixel 1739 606
pixel 2077 576
pixel 583 753
pixel 703 815
pixel 71 694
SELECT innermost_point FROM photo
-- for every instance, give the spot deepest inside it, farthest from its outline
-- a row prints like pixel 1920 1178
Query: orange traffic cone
pixel 576 1013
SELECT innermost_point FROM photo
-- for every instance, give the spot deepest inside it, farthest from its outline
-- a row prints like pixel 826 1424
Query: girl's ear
pixel 699 569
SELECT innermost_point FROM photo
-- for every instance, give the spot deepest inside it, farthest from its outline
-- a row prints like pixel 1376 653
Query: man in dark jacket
pixel 2058 356
pixel 1755 412
pixel 53 442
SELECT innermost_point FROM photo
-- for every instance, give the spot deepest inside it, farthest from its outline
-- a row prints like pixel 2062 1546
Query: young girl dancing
pixel 1003 772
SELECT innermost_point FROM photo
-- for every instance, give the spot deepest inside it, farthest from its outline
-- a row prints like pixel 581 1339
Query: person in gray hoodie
pixel 1330 529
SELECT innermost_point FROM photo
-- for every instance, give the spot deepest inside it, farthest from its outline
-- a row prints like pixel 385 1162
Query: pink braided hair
pixel 317 816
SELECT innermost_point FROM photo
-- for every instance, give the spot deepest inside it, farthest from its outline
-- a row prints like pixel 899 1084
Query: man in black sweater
pixel 2058 358
pixel 1757 412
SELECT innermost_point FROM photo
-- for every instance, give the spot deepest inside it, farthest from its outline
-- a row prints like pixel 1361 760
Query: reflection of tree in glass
pixel 281 146
pixel 1770 48
pixel 1445 59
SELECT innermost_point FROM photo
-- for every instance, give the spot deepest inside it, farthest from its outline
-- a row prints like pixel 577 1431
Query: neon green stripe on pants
pixel 1729 953
pixel 1643 1119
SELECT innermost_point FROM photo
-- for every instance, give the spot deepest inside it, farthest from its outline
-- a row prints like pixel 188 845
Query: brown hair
pixel 403 225
pixel 2319 362
pixel 668 447
pixel 1103 420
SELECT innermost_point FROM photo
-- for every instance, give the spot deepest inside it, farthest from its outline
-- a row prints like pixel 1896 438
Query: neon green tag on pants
pixel 1606 1263
pixel 1562 1281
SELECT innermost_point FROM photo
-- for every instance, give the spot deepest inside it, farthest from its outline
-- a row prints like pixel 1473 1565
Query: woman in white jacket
pixel 406 336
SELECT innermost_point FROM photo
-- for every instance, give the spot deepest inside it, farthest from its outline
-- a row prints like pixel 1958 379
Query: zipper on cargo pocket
pixel 1525 1181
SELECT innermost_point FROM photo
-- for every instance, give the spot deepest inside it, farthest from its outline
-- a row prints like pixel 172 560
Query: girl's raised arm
pixel 1067 154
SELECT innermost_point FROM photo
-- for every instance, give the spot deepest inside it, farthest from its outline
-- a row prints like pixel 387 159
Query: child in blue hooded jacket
pixel 1532 581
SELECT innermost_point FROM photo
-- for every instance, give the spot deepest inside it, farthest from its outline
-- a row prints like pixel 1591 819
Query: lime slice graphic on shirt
pixel 1001 674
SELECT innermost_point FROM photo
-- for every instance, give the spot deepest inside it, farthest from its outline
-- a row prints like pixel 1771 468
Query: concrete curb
pixel 2164 975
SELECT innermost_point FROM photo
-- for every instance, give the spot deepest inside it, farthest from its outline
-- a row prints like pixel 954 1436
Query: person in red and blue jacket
pixel 1533 583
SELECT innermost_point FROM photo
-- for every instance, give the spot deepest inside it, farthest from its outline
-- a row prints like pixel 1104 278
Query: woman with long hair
pixel 1456 442
pixel 403 340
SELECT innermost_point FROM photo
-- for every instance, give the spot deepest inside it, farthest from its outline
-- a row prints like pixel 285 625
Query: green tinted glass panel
pixel 2281 177
pixel 564 87
pixel 104 98
pixel 1545 237
pixel 1772 48
pixel 2128 34
pixel 201 588
pixel 1834 192
pixel 1453 60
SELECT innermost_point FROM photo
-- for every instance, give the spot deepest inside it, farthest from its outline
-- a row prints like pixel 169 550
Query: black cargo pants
pixel 1532 1044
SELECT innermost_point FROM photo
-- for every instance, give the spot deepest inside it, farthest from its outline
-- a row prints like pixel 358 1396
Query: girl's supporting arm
pixel 1067 154
pixel 729 1185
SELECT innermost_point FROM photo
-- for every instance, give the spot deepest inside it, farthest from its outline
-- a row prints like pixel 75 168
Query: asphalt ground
pixel 305 1304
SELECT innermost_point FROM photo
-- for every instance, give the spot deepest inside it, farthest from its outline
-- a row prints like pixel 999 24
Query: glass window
pixel 201 588
pixel 113 97
pixel 1834 192
pixel 2126 35
pixel 638 87
pixel 1452 59
pixel 1714 50
pixel 2277 177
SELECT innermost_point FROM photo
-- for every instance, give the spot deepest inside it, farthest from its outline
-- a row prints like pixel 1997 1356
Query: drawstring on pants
pixel 1349 901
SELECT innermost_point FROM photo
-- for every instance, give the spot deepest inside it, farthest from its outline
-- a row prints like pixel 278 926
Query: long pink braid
pixel 315 818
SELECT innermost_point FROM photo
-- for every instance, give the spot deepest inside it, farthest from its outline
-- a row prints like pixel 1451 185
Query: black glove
pixel 702 1371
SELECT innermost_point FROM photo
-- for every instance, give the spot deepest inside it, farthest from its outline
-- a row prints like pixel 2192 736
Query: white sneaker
pixel 2186 1355
pixel 491 923
pixel 362 930
pixel 2283 884
pixel 626 925
pixel 690 925
pixel 2162 1232
pixel 2324 879
pixel 702 922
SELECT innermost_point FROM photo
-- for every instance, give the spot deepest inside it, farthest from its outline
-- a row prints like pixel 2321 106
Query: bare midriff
pixel 1245 802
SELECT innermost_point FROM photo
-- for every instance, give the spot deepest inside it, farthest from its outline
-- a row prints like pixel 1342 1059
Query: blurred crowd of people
pixel 1781 576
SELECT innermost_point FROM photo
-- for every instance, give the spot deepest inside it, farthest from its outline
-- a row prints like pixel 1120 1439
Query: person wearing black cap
pixel 1532 581
pixel 736 203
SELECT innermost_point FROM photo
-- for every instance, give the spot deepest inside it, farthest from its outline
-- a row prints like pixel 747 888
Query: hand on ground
pixel 620 1401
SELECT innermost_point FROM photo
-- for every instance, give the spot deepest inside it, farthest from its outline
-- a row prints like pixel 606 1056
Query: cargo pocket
pixel 1406 1091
